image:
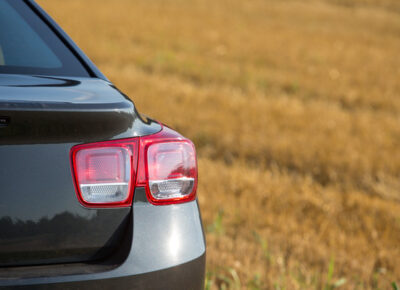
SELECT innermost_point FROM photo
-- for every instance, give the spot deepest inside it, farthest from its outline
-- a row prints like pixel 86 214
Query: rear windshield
pixel 29 46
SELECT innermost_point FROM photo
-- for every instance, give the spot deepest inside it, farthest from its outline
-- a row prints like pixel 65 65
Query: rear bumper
pixel 186 276
pixel 166 250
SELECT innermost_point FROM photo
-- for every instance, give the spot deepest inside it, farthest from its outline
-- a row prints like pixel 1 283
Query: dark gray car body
pixel 48 240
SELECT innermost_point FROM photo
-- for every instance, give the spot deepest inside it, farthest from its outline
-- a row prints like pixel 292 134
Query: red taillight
pixel 106 172
pixel 171 172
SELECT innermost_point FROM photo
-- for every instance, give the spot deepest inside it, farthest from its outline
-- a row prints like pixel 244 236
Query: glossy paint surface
pixel 42 110
pixel 41 219
pixel 167 243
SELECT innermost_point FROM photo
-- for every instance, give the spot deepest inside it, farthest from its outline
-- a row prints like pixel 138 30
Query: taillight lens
pixel 171 172
pixel 105 173
pixel 164 163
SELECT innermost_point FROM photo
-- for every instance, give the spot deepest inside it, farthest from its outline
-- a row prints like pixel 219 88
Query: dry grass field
pixel 294 107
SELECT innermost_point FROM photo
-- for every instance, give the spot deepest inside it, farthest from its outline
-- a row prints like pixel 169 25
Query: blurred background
pixel 295 112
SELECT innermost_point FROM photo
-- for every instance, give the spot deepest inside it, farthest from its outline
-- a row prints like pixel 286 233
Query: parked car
pixel 93 195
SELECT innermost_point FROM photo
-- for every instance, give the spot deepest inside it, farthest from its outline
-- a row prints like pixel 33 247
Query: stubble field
pixel 294 107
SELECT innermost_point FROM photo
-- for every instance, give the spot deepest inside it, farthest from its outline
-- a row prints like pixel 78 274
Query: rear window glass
pixel 29 46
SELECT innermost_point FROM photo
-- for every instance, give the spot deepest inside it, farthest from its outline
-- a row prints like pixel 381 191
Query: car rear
pixel 93 195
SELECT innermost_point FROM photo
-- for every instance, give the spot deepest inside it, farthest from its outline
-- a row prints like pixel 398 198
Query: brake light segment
pixel 171 172
pixel 104 173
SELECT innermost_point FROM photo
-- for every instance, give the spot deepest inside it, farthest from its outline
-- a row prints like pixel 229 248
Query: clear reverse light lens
pixel 175 188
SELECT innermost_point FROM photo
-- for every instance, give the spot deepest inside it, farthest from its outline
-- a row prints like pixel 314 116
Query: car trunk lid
pixel 41 118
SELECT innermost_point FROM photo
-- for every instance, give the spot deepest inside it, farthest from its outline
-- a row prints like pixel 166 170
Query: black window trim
pixel 92 70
